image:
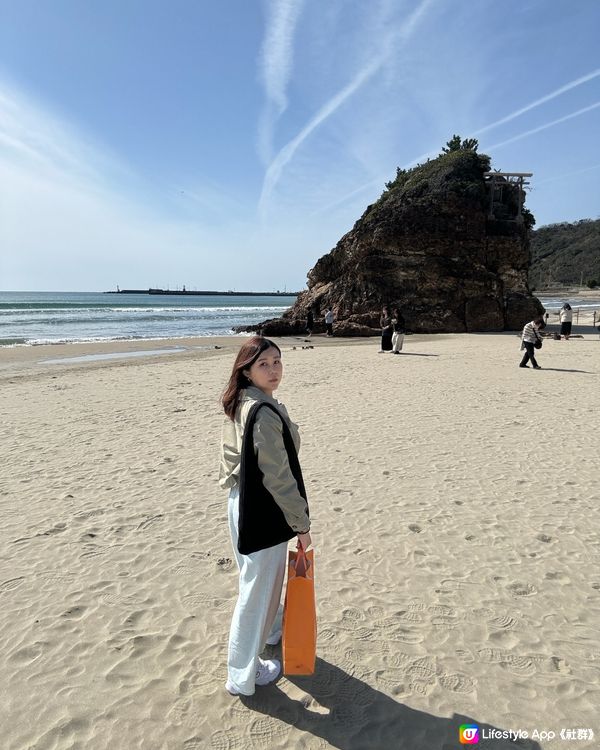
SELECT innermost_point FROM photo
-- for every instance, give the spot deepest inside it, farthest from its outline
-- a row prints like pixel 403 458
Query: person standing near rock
pixel 329 318
pixel 566 320
pixel 385 321
pixel 398 335
pixel 310 322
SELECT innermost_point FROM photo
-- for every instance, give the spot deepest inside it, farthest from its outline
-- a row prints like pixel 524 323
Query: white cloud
pixel 69 218
pixel 276 61
pixel 386 43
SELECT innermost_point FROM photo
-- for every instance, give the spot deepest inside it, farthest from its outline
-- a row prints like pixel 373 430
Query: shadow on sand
pixel 562 369
pixel 351 715
pixel 416 354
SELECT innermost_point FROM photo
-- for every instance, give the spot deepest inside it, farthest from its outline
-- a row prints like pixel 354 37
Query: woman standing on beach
pixel 398 335
pixel 529 339
pixel 566 320
pixel 385 321
pixel 267 507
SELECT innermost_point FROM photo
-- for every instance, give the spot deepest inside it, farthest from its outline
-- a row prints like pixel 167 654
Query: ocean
pixel 28 318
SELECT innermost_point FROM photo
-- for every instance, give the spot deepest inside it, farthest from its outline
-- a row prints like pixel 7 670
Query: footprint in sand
pixel 415 528
pixel 267 732
pixel 503 622
pixel 11 584
pixel 221 740
pixel 521 589
pixel 457 683
pixel 150 521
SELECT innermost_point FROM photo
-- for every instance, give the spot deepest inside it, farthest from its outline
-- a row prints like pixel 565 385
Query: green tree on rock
pixel 457 144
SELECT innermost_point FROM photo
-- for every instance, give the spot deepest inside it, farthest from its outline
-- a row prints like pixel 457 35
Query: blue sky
pixel 230 145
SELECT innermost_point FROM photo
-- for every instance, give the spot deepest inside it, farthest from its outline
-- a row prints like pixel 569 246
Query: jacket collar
pixel 254 393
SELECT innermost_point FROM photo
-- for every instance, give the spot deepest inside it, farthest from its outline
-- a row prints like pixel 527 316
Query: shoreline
pixel 43 359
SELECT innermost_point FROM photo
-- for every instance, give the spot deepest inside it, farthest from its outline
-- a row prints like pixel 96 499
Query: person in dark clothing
pixel 310 322
pixel 385 321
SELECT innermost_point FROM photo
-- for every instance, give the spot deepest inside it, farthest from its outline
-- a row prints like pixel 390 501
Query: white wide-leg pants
pixel 258 611
pixel 397 341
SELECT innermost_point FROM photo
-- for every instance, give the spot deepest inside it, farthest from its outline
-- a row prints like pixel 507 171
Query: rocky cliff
pixel 430 247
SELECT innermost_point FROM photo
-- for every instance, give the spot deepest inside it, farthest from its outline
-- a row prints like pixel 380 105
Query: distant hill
pixel 563 254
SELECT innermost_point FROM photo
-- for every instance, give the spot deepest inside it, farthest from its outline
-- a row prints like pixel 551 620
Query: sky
pixel 230 145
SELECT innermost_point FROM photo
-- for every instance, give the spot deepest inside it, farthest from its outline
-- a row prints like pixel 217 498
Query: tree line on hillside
pixel 566 254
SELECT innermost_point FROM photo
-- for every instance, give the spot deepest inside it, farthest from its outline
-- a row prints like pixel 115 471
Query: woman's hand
pixel 304 540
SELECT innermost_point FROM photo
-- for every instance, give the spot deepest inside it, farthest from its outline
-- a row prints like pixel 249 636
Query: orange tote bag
pixel 299 641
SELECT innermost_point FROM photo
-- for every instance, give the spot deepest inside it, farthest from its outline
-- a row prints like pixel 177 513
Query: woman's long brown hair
pixel 246 357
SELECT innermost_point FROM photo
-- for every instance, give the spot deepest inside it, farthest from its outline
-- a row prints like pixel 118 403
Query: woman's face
pixel 267 371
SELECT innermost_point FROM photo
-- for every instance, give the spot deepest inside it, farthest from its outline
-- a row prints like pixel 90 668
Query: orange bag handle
pixel 301 564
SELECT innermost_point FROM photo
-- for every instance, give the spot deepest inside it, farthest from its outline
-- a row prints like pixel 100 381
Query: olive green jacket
pixel 271 455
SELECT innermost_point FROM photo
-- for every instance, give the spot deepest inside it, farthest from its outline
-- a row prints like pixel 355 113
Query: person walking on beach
pixel 398 335
pixel 529 339
pixel 385 321
pixel 329 318
pixel 267 507
pixel 566 320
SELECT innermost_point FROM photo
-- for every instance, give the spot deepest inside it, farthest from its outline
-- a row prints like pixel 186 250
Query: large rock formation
pixel 429 247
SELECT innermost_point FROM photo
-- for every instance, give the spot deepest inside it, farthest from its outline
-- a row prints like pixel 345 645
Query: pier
pixel 202 293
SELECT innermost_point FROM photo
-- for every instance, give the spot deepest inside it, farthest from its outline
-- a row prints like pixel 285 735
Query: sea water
pixel 63 317
pixel 28 318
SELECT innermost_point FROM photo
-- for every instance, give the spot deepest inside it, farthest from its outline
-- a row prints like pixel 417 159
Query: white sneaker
pixel 268 671
pixel 231 689
pixel 274 639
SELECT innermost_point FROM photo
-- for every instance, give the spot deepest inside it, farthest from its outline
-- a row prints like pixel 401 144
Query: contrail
pixel 543 100
pixel 557 92
pixel 276 66
pixel 567 174
pixel 544 127
pixel 285 155
pixel 287 152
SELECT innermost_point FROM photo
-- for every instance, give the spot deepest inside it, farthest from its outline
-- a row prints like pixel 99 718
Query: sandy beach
pixel 454 500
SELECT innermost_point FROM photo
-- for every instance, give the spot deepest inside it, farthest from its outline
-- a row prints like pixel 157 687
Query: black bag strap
pixel 288 441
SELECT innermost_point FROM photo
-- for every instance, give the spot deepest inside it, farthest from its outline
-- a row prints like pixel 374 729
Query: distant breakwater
pixel 203 293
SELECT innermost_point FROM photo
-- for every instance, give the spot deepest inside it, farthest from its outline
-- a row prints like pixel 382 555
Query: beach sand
pixel 454 500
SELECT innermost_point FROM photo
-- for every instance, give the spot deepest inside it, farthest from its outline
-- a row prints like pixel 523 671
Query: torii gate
pixel 516 179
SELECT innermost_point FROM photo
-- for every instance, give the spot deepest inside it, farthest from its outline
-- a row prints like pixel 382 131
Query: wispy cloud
pixel 545 126
pixel 276 61
pixel 538 102
pixel 565 175
pixel 64 198
pixel 507 118
pixel 29 134
pixel 387 46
